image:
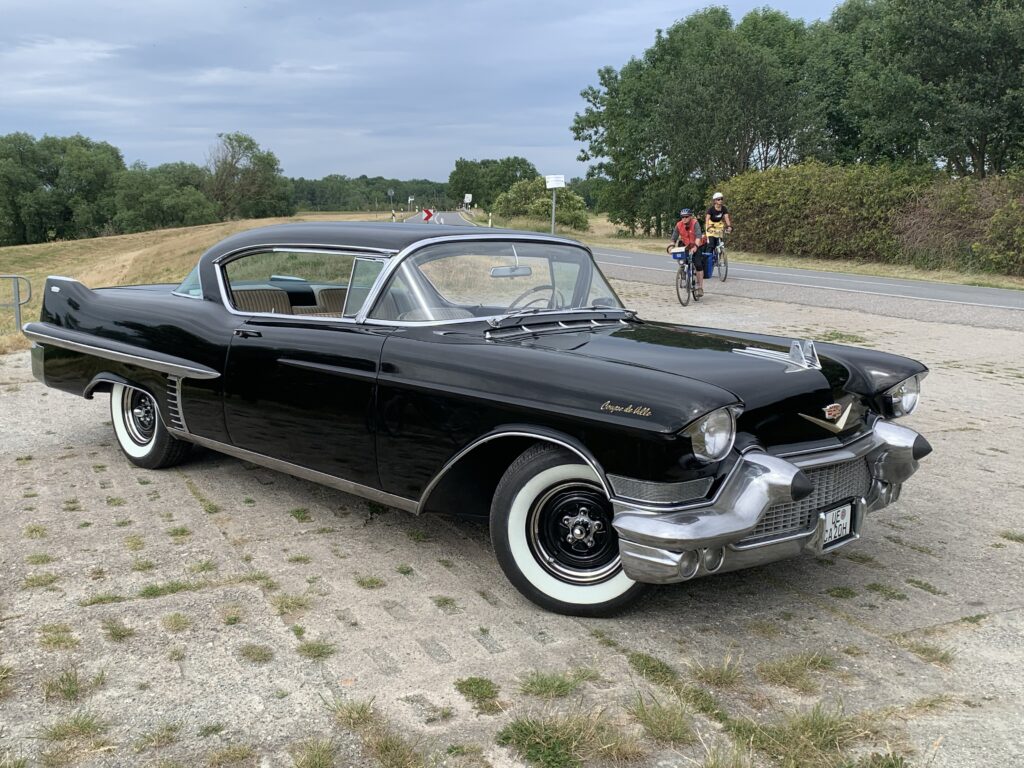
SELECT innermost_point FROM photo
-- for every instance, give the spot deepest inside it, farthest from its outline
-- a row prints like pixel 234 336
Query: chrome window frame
pixel 220 264
pixel 401 256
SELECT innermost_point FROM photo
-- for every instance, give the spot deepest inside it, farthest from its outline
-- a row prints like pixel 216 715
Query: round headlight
pixel 712 435
pixel 905 396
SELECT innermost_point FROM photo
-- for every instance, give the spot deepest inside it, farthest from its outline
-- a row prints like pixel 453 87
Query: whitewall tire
pixel 552 535
pixel 140 432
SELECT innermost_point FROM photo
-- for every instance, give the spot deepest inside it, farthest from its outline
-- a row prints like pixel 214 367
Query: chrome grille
pixel 659 493
pixel 832 484
pixel 174 415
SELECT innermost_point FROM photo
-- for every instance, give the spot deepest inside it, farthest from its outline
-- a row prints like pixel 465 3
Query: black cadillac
pixel 497 374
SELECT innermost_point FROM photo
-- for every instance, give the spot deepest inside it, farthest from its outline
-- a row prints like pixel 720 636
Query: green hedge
pixel 898 215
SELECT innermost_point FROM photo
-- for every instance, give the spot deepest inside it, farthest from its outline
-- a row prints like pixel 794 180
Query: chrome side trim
pixel 175 412
pixel 365 491
pixel 425 496
pixel 136 355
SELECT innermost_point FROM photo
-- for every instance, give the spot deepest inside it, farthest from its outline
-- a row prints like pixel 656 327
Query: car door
pixel 300 379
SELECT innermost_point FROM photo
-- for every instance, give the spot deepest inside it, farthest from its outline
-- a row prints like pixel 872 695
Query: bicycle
pixel 686 276
pixel 721 260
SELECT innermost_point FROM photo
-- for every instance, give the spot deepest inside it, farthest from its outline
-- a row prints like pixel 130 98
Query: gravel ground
pixel 250 569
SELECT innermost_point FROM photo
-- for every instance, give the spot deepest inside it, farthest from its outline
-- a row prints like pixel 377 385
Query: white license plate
pixel 837 524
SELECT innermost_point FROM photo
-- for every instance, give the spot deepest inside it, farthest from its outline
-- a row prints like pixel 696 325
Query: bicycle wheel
pixel 693 285
pixel 723 264
pixel 683 285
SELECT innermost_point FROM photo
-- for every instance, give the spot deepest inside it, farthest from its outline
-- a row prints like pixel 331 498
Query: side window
pixel 363 277
pixel 290 282
pixel 191 286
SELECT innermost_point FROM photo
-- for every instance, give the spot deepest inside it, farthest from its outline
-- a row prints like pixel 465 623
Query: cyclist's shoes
pixel 700 293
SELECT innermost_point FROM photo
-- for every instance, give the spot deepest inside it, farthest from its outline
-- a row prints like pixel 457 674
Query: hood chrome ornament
pixel 835 412
pixel 802 355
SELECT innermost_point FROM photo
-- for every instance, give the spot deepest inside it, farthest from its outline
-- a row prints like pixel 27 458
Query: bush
pixel 903 215
pixel 531 198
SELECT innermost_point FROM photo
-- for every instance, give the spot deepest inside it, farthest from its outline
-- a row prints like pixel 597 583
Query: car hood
pixel 782 402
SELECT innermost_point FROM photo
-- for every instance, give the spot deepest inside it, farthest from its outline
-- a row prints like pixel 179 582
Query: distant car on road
pixel 496 374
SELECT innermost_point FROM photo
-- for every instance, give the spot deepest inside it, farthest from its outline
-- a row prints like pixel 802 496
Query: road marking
pixel 841 290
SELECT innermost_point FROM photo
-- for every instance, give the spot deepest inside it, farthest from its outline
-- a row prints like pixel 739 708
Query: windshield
pixel 472 279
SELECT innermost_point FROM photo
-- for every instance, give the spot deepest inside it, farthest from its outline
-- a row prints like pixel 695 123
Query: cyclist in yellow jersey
pixel 717 221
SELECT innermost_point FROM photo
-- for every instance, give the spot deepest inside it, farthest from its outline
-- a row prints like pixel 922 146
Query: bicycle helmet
pixel 717 196
pixel 686 212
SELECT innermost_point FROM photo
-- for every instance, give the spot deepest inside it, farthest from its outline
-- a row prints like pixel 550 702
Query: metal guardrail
pixel 18 302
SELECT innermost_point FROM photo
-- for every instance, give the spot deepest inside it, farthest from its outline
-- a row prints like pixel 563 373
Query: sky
pixel 397 89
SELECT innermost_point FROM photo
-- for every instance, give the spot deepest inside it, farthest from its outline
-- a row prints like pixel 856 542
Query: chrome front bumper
pixel 670 546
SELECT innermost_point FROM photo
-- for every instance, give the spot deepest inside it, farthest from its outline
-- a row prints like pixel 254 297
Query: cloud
pixel 401 89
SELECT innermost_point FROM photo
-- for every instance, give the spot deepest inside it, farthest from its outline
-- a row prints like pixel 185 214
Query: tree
pixel 486 179
pixel 245 181
pixel 169 195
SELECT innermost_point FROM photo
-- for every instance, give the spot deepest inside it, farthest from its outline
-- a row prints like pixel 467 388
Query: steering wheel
pixel 550 299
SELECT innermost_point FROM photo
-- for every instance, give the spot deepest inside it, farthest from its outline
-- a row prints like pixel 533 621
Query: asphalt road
pixel 913 299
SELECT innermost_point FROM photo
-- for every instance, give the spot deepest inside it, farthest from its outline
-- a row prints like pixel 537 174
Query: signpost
pixel 554 183
pixel 467 199
pixel 391 196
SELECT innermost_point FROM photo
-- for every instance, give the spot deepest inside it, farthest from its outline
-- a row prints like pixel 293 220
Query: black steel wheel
pixel 552 534
pixel 140 433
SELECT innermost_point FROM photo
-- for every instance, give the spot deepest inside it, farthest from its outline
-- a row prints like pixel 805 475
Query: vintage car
pixel 495 374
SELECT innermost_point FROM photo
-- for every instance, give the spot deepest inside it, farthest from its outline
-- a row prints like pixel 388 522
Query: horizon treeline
pixel 933 84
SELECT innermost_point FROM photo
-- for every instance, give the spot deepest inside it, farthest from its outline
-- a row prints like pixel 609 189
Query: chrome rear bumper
pixel 666 547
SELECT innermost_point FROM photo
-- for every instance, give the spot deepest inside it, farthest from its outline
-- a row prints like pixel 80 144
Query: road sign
pixel 411 198
pixel 555 182
pixel 467 199
pixel 427 214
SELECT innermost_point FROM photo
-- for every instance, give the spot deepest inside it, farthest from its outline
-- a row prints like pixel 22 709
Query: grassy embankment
pixel 167 255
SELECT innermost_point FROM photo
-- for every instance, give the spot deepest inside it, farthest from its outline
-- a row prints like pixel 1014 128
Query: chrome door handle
pixel 244 334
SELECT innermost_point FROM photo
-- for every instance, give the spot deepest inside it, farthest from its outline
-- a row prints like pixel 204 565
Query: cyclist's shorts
pixel 700 261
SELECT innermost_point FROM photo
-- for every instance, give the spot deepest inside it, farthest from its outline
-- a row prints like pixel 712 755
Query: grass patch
pixel 203 566
pixel 35 532
pixel 38 558
pixel 380 741
pixel 211 729
pixel 724 675
pixel 405 570
pixel 301 514
pixel 1015 536
pixel 445 603
pixel 79 725
pixel 889 593
pixel 260 578
pixel 933 654
pixel 134 542
pixel 142 566
pixel 353 715
pixel 116 630
pixel 841 593
pixel 70 685
pixel 285 603
pixel 57 637
pixel 666 723
pixel 481 692
pixel 115 501
pixel 555 685
pixel 176 622
pixel 102 598
pixel 39 580
pixel 256 654
pixel 232 614
pixel 230 755
pixel 314 753
pixel 6 680
pixel 300 559
pixel 446 563
pixel 924 585
pixel 975 618
pixel 859 557
pixel 179 533
pixel 652 668
pixel 795 671
pixel 168 588
pixel 316 650
pixel 417 535
pixel 816 738
pixel 568 740
pixel 162 736
pixel 370 582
